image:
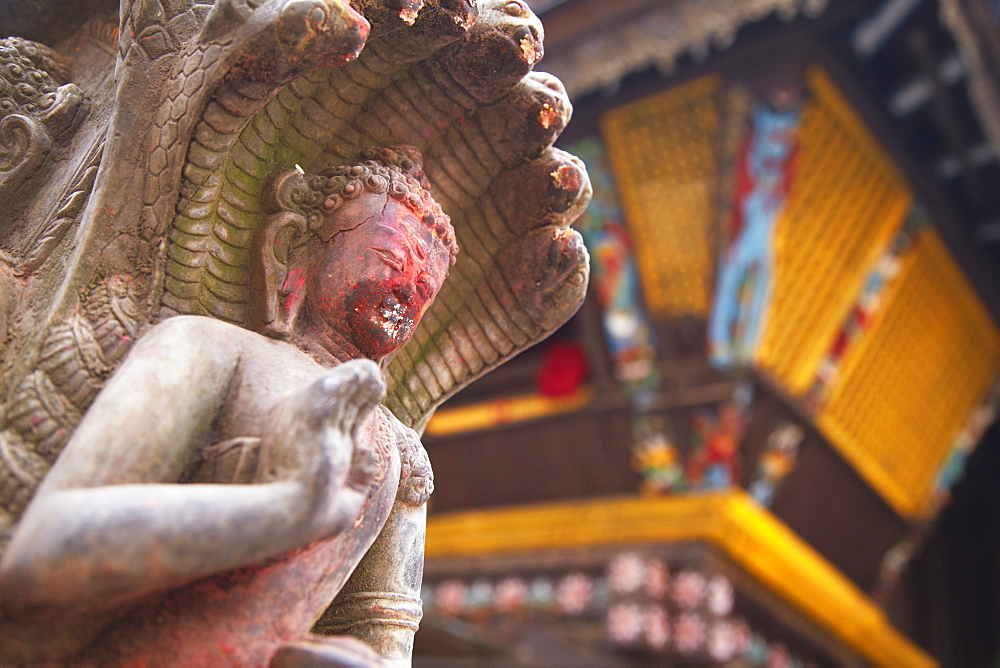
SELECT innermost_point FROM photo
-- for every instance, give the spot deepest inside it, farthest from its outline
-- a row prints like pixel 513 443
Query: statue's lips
pixel 380 319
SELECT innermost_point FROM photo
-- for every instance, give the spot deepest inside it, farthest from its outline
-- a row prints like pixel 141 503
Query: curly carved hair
pixel 24 88
pixel 396 171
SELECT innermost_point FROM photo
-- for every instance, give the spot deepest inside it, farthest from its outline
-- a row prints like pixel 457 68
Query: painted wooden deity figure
pixel 221 537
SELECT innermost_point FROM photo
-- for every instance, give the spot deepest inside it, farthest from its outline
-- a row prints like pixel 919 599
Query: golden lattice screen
pixel 663 153
pixel 846 203
pixel 910 384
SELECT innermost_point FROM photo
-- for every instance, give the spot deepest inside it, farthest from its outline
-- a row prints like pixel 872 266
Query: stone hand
pixel 316 431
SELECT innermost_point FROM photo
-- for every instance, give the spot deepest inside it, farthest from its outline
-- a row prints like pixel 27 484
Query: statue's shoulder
pixel 199 342
pixel 203 330
pixel 197 324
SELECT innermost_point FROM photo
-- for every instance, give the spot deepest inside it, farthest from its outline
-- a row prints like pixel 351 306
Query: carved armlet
pixel 416 479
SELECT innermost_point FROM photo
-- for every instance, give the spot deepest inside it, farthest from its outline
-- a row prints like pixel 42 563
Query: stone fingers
pixel 342 399
pixel 349 393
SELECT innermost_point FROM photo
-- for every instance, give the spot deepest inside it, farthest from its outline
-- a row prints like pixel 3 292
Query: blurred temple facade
pixel 767 438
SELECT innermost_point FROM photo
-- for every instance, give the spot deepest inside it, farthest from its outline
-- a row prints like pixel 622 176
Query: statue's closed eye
pixel 390 258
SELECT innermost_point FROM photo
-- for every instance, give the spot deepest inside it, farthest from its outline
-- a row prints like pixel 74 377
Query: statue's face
pixel 371 284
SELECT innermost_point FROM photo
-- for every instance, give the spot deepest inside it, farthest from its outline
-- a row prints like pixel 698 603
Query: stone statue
pixel 314 472
pixel 260 170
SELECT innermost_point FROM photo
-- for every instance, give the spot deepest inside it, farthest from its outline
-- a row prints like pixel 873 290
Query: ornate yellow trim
pixel 488 414
pixel 750 535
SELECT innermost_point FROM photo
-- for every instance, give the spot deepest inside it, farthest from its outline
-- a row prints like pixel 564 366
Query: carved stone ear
pixel 23 145
pixel 278 274
pixel 288 190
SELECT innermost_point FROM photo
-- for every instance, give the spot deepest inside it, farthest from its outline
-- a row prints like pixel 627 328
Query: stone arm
pixel 107 528
pixel 380 604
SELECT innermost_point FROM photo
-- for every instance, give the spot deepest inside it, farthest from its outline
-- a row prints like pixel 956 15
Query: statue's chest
pixel 259 386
